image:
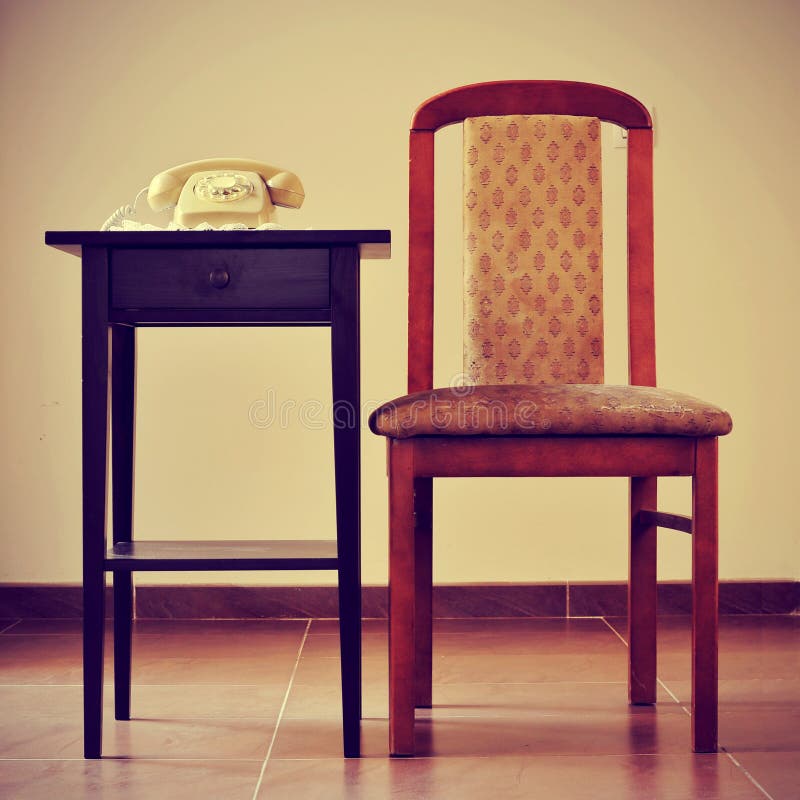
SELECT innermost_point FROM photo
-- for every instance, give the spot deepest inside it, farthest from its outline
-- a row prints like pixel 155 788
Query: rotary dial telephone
pixel 225 190
pixel 220 191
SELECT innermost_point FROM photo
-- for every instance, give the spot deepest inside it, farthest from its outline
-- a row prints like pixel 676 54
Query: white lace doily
pixel 132 225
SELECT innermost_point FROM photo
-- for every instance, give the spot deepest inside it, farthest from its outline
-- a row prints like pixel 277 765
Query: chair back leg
pixel 423 578
pixel 642 595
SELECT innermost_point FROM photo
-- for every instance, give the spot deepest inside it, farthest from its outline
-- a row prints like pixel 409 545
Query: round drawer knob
pixel 219 278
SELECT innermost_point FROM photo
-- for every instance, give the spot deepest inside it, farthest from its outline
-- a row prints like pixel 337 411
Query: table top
pixel 371 243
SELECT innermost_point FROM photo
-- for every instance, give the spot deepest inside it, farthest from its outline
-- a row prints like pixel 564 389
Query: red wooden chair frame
pixel 414 462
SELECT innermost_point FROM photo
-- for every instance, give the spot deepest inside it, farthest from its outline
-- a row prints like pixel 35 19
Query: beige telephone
pixel 220 191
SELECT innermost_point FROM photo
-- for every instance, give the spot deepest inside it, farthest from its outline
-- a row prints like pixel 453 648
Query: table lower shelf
pixel 163 556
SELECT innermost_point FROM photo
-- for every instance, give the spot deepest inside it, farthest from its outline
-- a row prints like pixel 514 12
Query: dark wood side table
pixel 169 278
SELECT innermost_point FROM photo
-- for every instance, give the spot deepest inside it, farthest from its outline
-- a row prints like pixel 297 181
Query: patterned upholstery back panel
pixel 533 265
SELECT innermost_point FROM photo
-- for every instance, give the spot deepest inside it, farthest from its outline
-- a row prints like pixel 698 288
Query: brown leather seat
pixel 548 410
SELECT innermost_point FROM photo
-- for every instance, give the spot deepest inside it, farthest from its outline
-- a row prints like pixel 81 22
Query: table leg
pixel 347 458
pixel 123 411
pixel 95 362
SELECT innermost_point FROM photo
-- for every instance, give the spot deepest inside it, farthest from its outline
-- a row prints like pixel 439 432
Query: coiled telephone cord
pixel 123 213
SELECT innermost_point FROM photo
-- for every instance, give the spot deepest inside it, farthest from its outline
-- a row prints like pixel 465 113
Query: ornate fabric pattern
pixel 533 254
pixel 555 410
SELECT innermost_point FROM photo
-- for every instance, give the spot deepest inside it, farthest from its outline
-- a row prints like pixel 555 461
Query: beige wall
pixel 95 97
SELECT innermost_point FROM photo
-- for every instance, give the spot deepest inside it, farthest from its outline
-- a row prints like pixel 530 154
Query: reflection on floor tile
pixel 778 773
pixel 203 738
pixel 521 708
pixel 620 777
pixel 133 779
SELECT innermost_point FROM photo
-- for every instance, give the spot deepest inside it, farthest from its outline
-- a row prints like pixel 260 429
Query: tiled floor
pixel 523 708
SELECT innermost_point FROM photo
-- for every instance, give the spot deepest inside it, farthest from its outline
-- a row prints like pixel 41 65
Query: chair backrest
pixel 532 226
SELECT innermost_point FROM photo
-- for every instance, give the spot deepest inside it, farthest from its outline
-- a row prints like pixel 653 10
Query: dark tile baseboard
pixel 468 600
pixel 735 597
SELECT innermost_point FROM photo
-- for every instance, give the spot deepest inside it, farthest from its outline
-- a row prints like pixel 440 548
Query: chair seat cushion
pixel 549 410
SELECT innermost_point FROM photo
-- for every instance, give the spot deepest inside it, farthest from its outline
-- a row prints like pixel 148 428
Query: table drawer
pixel 221 278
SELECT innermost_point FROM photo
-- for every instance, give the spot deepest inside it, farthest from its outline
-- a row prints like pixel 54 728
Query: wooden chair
pixel 534 352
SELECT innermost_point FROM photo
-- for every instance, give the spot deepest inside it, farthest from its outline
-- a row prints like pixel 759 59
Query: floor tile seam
pixel 536 713
pixel 747 774
pixel 281 712
pixel 475 656
pixel 67 716
pixel 615 631
pixel 501 757
pixel 41 685
pixel 317 683
pixel 473 684
pixel 368 758
pixel 133 760
pixel 164 634
pixel 532 653
pixel 42 635
pixel 441 713
pixel 520 683
pixel 334 685
pixel 151 638
pixel 208 619
pixel 449 657
pixel 670 692
pixel 516 617
pixel 110 684
pixel 483 714
pixel 659 681
pixel 207 718
pixel 9 627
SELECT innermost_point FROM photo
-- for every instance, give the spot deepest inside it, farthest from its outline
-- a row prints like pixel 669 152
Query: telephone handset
pixel 220 191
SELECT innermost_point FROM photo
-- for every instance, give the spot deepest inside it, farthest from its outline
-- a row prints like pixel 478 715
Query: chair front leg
pixel 704 598
pixel 401 598
pixel 423 577
pixel 642 595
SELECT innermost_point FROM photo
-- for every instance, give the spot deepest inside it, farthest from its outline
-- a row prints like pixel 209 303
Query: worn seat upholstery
pixel 548 410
